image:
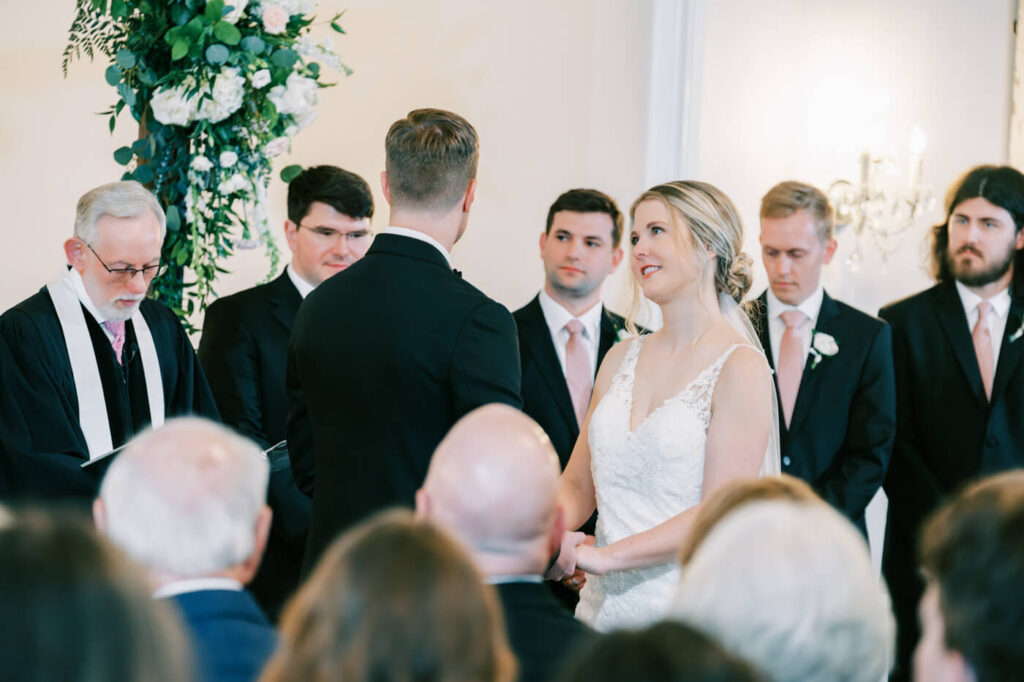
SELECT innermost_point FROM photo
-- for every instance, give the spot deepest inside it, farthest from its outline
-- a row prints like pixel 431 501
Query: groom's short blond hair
pixel 786 198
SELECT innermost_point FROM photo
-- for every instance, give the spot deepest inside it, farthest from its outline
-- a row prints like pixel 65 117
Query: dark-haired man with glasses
pixel 89 361
pixel 244 349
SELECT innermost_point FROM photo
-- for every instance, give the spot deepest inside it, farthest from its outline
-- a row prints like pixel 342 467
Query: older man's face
pixel 120 243
pixel 933 661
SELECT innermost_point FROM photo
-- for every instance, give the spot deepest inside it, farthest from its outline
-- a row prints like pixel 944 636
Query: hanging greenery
pixel 217 90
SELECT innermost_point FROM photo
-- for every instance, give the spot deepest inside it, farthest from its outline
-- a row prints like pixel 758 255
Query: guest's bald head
pixel 493 482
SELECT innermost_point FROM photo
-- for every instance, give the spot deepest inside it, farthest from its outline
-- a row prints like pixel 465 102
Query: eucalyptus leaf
pixel 123 155
pixel 227 33
pixel 179 50
pixel 289 173
pixel 214 10
pixel 194 28
pixel 125 59
pixel 113 74
pixel 180 15
pixel 141 146
pixel 284 58
pixel 314 69
pixel 217 54
pixel 173 219
pixel 118 8
pixel 253 44
pixel 127 94
pixel 144 174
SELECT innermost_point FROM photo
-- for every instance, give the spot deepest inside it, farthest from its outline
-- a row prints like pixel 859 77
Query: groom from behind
pixel 371 394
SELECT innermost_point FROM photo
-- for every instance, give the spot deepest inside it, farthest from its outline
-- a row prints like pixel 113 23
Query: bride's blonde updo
pixel 714 224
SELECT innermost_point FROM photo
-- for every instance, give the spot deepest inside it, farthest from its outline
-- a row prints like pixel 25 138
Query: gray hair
pixel 790 587
pixel 184 499
pixel 126 199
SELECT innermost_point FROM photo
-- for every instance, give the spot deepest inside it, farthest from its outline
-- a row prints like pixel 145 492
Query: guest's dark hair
pixel 393 599
pixel 973 550
pixel 665 652
pixel 1002 186
pixel 431 157
pixel 588 201
pixel 73 609
pixel 344 191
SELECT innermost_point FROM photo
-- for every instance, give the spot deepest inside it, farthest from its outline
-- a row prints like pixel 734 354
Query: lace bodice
pixel 643 477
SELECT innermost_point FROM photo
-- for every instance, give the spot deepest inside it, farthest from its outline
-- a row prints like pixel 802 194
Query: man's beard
pixel 984 276
pixel 118 313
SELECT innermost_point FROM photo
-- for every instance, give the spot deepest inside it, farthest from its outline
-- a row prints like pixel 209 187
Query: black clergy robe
pixel 42 446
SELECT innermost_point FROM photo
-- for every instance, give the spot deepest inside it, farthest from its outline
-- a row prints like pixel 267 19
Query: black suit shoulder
pixel 910 306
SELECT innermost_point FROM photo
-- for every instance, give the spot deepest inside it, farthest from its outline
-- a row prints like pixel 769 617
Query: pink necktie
pixel 577 370
pixel 117 329
pixel 791 361
pixel 983 346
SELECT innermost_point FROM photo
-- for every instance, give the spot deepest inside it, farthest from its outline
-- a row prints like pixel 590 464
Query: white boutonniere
pixel 1020 331
pixel 822 345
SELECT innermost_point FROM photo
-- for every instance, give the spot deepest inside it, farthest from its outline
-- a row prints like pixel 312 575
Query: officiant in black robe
pixel 87 362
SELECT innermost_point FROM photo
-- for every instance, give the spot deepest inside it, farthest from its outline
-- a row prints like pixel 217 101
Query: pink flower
pixel 276 147
pixel 275 19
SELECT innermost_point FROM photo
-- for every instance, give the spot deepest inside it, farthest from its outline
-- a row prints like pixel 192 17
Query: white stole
pixel 92 408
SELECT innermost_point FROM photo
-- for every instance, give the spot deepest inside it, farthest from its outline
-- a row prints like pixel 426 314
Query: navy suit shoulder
pixel 232 638
pixel 540 631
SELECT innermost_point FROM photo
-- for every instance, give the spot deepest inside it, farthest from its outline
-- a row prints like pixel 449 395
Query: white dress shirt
pixel 996 317
pixel 302 285
pixel 557 317
pixel 195 585
pixel 810 307
pixel 423 237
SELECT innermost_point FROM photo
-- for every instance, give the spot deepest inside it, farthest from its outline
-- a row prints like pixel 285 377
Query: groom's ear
pixel 422 505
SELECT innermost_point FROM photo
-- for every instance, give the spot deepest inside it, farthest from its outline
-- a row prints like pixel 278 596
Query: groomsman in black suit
pixel 960 382
pixel 580 248
pixel 833 364
pixel 372 391
pixel 244 350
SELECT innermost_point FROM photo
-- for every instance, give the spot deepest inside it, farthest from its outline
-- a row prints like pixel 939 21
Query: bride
pixel 674 415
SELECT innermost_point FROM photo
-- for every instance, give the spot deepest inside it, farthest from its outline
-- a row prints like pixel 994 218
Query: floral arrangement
pixel 218 88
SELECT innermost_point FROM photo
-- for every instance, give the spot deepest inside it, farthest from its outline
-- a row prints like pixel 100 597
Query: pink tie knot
pixel 793 319
pixel 984 308
pixel 116 328
pixel 574 327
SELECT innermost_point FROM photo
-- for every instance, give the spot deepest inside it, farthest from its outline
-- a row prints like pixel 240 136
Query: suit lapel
pixel 950 311
pixel 284 301
pixel 535 337
pixel 829 322
pixel 1009 351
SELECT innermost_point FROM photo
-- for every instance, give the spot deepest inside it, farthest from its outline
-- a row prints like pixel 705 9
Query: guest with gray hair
pixel 790 587
pixel 89 361
pixel 188 502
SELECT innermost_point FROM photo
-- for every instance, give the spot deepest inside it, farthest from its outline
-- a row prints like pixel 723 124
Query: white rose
pixel 228 159
pixel 201 163
pixel 276 147
pixel 302 120
pixel 236 183
pixel 226 96
pixel 171 106
pixel 238 7
pixel 275 19
pixel 297 96
pixel 260 79
pixel 825 344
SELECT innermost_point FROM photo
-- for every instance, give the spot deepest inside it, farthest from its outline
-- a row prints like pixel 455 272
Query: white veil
pixel 734 315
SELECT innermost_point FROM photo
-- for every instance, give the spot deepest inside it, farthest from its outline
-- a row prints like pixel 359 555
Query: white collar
pixel 811 306
pixel 79 285
pixel 557 316
pixel 970 300
pixel 195 585
pixel 422 236
pixel 302 285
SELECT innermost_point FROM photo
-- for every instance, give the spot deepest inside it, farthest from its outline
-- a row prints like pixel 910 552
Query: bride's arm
pixel 741 414
pixel 576 486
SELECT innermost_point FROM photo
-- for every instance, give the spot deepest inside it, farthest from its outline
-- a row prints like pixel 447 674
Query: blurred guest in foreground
pixel 187 501
pixel 493 483
pixel 790 587
pixel 393 599
pixel 73 609
pixel 972 612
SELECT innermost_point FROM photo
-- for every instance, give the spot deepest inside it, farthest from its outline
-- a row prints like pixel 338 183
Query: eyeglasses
pixel 149 273
pixel 327 234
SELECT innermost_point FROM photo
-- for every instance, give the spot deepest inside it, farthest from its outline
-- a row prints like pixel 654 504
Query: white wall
pixel 557 91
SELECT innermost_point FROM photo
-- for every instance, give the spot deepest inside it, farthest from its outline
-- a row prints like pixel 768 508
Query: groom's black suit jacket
pixel 545 394
pixel 244 352
pixel 947 431
pixel 384 358
pixel 841 432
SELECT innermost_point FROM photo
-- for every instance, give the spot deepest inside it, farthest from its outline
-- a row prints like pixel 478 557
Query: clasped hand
pixel 576 556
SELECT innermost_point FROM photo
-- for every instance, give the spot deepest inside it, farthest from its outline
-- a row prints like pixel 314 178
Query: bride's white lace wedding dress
pixel 643 477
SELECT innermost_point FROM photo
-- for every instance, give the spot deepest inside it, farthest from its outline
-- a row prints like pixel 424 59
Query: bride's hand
pixel 591 559
pixel 565 563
